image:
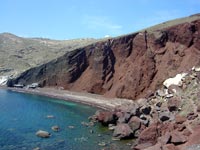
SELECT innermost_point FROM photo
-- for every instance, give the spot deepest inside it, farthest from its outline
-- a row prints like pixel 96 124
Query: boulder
pixel 164 139
pixel 149 135
pixel 177 80
pixel 177 138
pixel 36 148
pixel 55 128
pixel 164 116
pixel 142 146
pixel 162 93
pixel 194 137
pixel 180 119
pixel 157 146
pixel 122 131
pixel 43 134
pixel 173 104
pixel 169 147
pixel 192 116
pixel 145 110
pixel 105 117
pixel 111 127
pixel 134 123
pixel 50 116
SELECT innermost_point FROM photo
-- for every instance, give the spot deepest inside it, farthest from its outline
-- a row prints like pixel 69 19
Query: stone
pixel 164 116
pixel 177 138
pixel 149 135
pixel 43 134
pixel 134 123
pixel 198 108
pixel 157 146
pixel 37 148
pixel 180 119
pixel 111 127
pixel 142 146
pixel 50 116
pixel 192 116
pixel 170 147
pixel 162 93
pixel 174 89
pixel 55 128
pixel 169 95
pixel 164 139
pixel 122 131
pixel 145 110
pixel 197 69
pixel 105 117
pixel 173 104
pixel 71 127
pixel 177 80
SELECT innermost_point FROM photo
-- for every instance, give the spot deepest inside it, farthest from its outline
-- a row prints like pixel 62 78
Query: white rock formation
pixel 3 80
pixel 177 80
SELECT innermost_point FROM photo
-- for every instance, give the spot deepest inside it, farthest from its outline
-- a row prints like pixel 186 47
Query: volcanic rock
pixel 134 123
pixel 122 131
pixel 177 138
pixel 149 135
pixel 125 67
pixel 105 117
pixel 173 104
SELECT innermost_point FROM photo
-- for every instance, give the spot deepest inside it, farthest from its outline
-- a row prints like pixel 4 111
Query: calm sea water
pixel 22 115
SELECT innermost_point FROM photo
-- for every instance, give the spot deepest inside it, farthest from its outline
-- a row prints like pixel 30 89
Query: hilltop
pixel 18 54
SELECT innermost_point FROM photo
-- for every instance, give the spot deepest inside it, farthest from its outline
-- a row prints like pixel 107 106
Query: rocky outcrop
pixel 159 121
pixel 129 66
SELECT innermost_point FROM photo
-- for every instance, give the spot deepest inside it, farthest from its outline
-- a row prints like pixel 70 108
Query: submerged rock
pixel 55 128
pixel 50 116
pixel 43 134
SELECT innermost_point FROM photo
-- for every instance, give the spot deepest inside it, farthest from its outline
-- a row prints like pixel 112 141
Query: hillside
pixel 18 54
pixel 129 66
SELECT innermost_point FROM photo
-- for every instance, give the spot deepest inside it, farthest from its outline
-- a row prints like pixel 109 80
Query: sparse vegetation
pixel 18 54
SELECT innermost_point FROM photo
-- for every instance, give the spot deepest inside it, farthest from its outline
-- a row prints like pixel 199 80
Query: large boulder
pixel 134 123
pixel 174 104
pixel 43 134
pixel 177 80
pixel 105 117
pixel 122 131
pixel 149 135
pixel 177 138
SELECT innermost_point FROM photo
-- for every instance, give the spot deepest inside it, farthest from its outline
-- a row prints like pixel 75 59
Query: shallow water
pixel 22 115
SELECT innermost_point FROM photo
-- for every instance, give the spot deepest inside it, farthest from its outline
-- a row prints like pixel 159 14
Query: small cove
pixel 24 114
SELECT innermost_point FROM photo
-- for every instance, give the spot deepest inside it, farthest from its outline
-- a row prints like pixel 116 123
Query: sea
pixel 22 115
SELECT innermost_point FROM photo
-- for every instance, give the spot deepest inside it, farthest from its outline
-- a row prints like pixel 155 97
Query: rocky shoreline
pixel 167 119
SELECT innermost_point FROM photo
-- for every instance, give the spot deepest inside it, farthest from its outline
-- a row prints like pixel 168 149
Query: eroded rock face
pixel 125 67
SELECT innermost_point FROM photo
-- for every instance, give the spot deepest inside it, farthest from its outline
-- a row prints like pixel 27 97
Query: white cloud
pixel 101 23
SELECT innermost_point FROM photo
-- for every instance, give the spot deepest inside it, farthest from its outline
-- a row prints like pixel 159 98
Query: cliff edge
pixel 129 66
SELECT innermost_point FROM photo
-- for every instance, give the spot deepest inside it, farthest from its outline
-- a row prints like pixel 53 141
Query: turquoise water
pixel 22 115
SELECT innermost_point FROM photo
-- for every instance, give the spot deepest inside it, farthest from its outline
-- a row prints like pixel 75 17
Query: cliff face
pixel 129 66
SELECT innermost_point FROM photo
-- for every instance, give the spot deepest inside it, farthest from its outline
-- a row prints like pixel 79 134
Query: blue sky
pixel 69 19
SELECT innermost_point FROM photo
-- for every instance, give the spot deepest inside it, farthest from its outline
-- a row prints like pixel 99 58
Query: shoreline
pixel 89 99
